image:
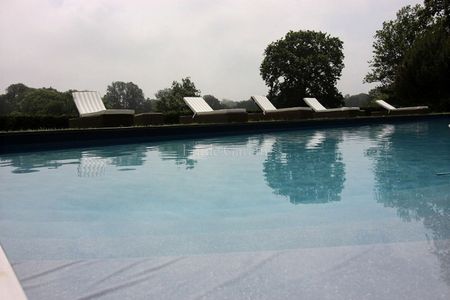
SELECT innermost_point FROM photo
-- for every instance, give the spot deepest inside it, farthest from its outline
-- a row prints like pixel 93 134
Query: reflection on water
pixel 91 163
pixel 92 166
pixel 406 162
pixel 178 152
pixel 188 152
pixel 306 169
pixel 32 162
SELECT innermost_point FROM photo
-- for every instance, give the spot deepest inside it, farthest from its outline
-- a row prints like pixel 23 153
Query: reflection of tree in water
pixel 32 162
pixel 121 155
pixel 306 170
pixel 179 152
pixel 405 173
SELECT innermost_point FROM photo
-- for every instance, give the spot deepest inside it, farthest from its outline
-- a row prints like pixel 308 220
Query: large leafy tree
pixel 47 101
pixel 127 95
pixel 424 75
pixel 393 41
pixel 171 99
pixel 17 90
pixel 23 100
pixel 411 56
pixel 438 9
pixel 303 64
pixel 10 102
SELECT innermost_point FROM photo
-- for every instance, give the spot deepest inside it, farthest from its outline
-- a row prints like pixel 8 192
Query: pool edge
pixel 25 141
pixel 10 287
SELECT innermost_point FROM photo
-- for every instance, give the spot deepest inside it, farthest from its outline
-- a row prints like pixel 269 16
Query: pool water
pixel 310 188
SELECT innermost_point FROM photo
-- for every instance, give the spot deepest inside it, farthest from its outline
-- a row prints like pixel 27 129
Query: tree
pixel 171 99
pixel 17 90
pixel 126 95
pixel 22 100
pixel 393 41
pixel 303 64
pixel 4 105
pixel 10 102
pixel 360 100
pixel 47 101
pixel 396 38
pixel 227 103
pixel 411 56
pixel 249 105
pixel 439 9
pixel 424 75
pixel 213 102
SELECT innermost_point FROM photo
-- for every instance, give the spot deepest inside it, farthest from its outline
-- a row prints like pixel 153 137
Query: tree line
pixel 411 64
pixel 21 100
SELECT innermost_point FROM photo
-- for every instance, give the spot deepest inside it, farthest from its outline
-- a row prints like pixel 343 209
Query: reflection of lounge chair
pixel 93 112
pixel 92 166
pixel 403 110
pixel 203 113
pixel 315 141
pixel 271 112
pixel 386 132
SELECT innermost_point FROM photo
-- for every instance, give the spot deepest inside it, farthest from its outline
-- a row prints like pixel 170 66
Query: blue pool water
pixel 275 191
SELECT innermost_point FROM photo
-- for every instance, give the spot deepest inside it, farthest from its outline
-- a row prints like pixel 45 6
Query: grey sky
pixel 87 44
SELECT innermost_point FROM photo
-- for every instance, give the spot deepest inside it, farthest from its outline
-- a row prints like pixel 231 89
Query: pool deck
pixel 10 287
pixel 23 141
pixel 402 270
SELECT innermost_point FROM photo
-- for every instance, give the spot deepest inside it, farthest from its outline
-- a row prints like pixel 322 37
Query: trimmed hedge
pixel 10 123
pixel 171 117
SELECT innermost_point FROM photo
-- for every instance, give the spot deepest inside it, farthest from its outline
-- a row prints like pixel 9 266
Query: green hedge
pixel 171 117
pixel 9 123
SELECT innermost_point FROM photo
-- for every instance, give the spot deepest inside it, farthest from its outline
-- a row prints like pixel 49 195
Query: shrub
pixel 24 122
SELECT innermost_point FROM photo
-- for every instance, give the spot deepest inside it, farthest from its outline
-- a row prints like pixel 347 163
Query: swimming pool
pixel 76 216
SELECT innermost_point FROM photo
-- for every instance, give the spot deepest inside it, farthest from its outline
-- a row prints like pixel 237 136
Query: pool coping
pixel 25 141
pixel 10 287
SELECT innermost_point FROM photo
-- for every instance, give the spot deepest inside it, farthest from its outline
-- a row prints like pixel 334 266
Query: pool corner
pixel 10 288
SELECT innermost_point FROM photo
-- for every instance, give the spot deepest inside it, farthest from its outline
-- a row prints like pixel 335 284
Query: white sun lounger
pixel 271 112
pixel 394 109
pixel 204 113
pixel 91 104
pixel 318 107
pixel 267 106
pixel 93 112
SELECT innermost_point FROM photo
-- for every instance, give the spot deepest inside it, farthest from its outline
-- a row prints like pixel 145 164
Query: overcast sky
pixel 87 44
